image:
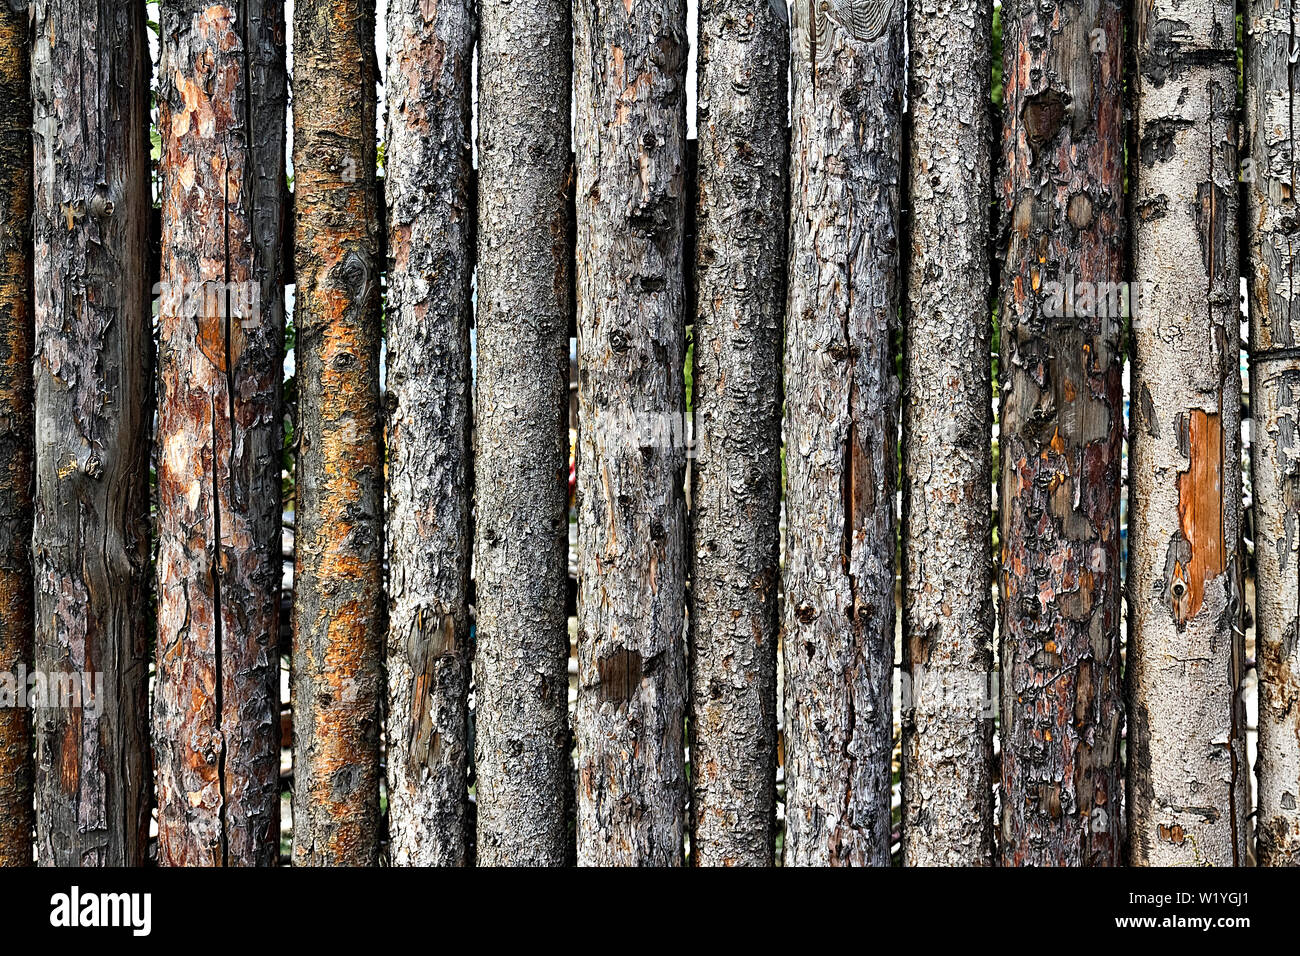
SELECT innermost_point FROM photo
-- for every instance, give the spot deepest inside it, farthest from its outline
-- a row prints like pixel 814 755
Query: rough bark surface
pixel 93 372
pixel 338 578
pixel 222 99
pixel 428 179
pixel 16 431
pixel 1062 432
pixel 630 66
pixel 736 486
pixel 841 432
pixel 1187 790
pixel 947 467
pixel 1271 182
pixel 521 518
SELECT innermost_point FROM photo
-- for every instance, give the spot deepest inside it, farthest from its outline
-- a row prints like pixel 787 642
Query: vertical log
pixel 16 430
pixel 428 182
pixel 1270 179
pixel 1187 792
pixel 947 466
pixel 841 430
pixel 736 487
pixel 630 65
pixel 222 101
pixel 522 411
pixel 338 578
pixel 1062 432
pixel 93 370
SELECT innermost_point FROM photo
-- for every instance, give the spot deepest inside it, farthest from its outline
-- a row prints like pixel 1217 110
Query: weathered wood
pixel 93 371
pixel 630 66
pixel 521 511
pixel 736 485
pixel 339 536
pixel 1187 789
pixel 1270 182
pixel 431 261
pixel 222 102
pixel 947 467
pixel 1062 432
pixel 841 433
pixel 16 433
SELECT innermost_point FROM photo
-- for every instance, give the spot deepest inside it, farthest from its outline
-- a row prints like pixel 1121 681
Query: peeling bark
pixel 841 433
pixel 1062 432
pixel 16 429
pixel 1187 790
pixel 522 510
pixel 736 486
pixel 947 466
pixel 93 371
pixel 630 65
pixel 1271 215
pixel 431 260
pixel 338 578
pixel 222 101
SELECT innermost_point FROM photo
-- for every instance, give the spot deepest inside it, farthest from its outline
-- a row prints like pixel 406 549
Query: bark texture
pixel 338 578
pixel 1271 215
pixel 1187 790
pixel 428 182
pixel 1062 432
pixel 736 487
pixel 16 432
pixel 93 375
pixel 841 431
pixel 521 517
pixel 222 101
pixel 630 66
pixel 947 467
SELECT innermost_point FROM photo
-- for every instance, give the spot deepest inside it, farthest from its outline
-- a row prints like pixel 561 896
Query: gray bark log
pixel 736 486
pixel 93 369
pixel 1270 181
pixel 630 66
pixel 431 260
pixel 841 434
pixel 16 428
pixel 339 537
pixel 1187 790
pixel 521 517
pixel 947 467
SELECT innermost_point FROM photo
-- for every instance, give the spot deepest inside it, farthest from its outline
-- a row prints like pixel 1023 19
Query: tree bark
pixel 428 181
pixel 630 66
pixel 93 371
pixel 216 728
pixel 1062 432
pixel 736 487
pixel 947 466
pixel 1270 180
pixel 338 578
pixel 1187 792
pixel 522 411
pixel 17 432
pixel 841 431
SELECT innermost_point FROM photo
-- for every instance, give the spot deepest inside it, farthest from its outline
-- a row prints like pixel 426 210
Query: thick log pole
pixel 630 65
pixel 94 372
pixel 16 431
pixel 338 580
pixel 428 179
pixel 1062 432
pixel 841 430
pixel 220 433
pixel 947 467
pixel 1188 780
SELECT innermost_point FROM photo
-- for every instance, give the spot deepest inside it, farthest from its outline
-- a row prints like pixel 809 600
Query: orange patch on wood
pixel 1200 513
